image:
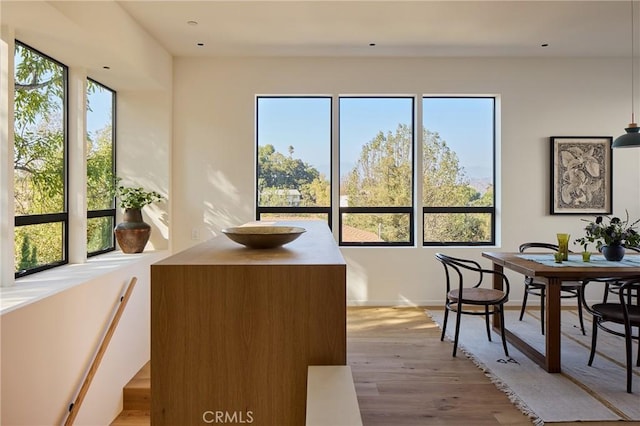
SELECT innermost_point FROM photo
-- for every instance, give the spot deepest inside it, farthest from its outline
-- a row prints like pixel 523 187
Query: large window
pixel 379 172
pixel 376 170
pixel 41 218
pixel 293 158
pixel 101 211
pixel 458 170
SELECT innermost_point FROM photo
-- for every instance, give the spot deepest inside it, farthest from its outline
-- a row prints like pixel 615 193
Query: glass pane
pixel 99 146
pixel 100 234
pixel 458 158
pixel 39 128
pixel 295 216
pixel 38 245
pixel 376 151
pixel 375 228
pixel 457 227
pixel 294 152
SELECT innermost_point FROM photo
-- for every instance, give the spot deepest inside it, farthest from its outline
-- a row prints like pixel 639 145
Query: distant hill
pixel 480 184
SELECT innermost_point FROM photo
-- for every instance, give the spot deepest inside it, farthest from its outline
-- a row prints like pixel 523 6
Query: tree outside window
pixel 377 170
pixel 293 158
pixel 39 161
pixel 458 170
pixel 100 168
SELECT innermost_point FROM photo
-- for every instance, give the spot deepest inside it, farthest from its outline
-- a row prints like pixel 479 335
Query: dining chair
pixel 466 299
pixel 613 285
pixel 626 312
pixel 568 289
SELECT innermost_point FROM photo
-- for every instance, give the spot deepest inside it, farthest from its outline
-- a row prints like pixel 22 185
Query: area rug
pixel 579 393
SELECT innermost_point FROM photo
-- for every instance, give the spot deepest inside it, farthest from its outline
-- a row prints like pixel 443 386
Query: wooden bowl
pixel 263 237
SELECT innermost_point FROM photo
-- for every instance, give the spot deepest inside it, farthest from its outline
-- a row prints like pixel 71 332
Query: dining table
pixel 544 268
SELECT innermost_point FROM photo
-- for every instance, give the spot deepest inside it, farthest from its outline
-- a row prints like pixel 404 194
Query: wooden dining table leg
pixel 498 285
pixel 552 325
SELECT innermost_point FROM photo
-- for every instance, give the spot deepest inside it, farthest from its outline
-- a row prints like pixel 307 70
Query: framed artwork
pixel 581 174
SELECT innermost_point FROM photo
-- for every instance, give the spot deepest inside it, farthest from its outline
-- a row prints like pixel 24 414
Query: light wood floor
pixel 404 375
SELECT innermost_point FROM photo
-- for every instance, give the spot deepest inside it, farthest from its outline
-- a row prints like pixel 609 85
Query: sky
pixel 304 123
pixel 466 124
pixel 100 102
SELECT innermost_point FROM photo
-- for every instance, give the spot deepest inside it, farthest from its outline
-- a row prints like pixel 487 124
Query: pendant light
pixel 632 137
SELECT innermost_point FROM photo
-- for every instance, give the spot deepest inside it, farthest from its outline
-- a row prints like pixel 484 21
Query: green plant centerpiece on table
pixel 611 235
pixel 133 233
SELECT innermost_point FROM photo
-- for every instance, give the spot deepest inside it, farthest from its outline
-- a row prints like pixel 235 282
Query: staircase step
pixel 137 393
pixel 136 400
pixel 331 396
pixel 133 418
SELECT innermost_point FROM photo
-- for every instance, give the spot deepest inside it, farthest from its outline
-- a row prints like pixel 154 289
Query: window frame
pixel 410 210
pixel 94 214
pixel 378 210
pixel 260 210
pixel 60 217
pixel 461 209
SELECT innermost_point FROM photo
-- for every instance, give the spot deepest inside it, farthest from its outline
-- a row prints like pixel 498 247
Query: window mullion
pixel 77 172
pixel 335 164
pixel 418 171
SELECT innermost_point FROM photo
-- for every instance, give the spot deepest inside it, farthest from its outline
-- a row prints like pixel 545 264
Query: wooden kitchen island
pixel 233 329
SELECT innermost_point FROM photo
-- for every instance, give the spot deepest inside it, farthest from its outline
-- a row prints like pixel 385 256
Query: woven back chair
pixel 465 294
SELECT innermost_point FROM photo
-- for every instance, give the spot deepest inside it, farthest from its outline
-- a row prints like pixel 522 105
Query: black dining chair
pixel 612 285
pixel 625 311
pixel 568 289
pixel 466 297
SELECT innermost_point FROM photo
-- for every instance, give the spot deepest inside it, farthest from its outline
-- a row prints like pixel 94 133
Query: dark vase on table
pixel 132 233
pixel 613 252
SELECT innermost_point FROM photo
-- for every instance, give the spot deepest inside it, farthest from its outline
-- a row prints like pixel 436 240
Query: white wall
pixel 214 153
pixel 143 140
pixel 47 344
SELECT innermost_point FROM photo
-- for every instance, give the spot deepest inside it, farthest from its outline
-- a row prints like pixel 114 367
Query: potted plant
pixel 133 233
pixel 611 238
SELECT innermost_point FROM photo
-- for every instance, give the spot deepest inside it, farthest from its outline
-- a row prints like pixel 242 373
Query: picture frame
pixel 581 175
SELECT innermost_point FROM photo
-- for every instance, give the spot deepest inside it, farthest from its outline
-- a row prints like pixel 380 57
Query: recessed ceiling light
pixel 106 67
pixel 372 44
pixel 192 23
pixel 200 44
pixel 544 45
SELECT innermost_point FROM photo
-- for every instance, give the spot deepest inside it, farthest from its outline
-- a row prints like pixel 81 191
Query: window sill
pixel 32 288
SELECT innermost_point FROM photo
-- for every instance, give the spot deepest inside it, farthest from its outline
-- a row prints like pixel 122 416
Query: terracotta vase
pixel 132 233
pixel 613 252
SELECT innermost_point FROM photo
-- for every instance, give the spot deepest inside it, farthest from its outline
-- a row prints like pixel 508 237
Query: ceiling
pixel 397 28
pixel 70 30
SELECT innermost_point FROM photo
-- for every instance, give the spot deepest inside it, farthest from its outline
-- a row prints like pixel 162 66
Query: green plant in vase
pixel 135 198
pixel 611 238
pixel 133 233
pixel 586 254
